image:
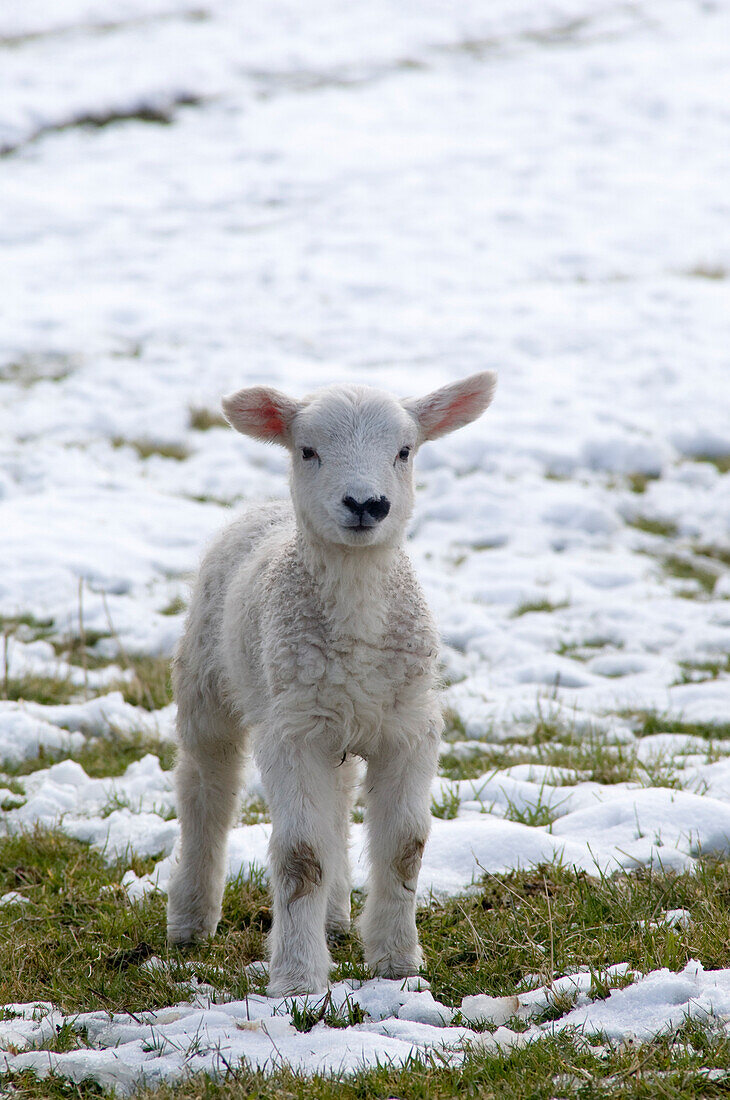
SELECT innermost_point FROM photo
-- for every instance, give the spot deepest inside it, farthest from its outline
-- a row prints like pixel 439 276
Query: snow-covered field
pixel 198 198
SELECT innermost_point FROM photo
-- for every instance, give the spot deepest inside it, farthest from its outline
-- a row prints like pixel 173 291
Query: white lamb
pixel 308 631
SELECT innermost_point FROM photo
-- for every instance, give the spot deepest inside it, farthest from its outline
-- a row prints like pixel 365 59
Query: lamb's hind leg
pixel 338 899
pixel 207 780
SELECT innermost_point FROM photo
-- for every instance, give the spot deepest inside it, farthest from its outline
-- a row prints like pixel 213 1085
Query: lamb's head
pixel 352 450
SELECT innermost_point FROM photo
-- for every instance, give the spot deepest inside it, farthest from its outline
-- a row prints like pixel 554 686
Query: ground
pixel 199 198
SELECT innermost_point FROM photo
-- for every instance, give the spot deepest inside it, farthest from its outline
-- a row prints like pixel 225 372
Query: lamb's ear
pixel 452 406
pixel 262 413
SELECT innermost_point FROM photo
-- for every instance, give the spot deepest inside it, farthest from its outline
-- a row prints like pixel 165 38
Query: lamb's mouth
pixel 360 526
pixel 357 534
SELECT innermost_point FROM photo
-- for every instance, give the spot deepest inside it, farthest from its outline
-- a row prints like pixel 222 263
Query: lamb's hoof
pixel 397 966
pixel 397 970
pixel 290 986
pixel 186 931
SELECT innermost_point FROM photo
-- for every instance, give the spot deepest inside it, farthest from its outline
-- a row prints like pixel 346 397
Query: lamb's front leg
pixel 301 791
pixel 398 820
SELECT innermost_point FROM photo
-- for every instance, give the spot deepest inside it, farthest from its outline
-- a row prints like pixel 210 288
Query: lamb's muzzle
pixel 366 512
pixel 309 636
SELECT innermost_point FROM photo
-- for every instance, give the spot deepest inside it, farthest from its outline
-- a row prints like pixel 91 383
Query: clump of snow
pixel 481 1009
pixel 108 714
pixel 656 1003
pixel 13 898
pixel 23 736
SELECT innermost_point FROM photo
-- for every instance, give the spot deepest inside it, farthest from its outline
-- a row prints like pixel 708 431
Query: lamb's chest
pixel 360 683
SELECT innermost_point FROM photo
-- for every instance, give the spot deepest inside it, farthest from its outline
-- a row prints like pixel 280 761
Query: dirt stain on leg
pixel 407 863
pixel 302 870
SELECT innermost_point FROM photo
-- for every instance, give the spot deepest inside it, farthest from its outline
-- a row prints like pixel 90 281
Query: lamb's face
pixel 352 450
pixel 352 466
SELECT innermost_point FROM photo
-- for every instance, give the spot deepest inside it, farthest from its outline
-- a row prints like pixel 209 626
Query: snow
pixel 396 194
pixel 401 1023
pixel 656 1003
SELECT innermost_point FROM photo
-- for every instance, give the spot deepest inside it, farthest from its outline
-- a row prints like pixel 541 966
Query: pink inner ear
pixel 453 412
pixel 271 419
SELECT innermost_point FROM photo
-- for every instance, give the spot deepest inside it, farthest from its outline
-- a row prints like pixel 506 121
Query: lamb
pixel 309 636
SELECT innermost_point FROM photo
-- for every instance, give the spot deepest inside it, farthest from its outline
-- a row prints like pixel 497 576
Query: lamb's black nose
pixel 376 507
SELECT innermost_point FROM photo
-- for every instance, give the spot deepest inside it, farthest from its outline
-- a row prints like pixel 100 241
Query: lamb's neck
pixel 352 584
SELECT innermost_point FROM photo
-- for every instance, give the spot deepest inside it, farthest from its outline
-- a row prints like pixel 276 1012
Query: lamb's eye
pixel 403 453
pixel 308 453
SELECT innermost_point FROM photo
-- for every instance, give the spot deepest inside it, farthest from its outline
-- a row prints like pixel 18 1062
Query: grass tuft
pixel 82 945
pixel 529 606
pixel 648 722
pixel 202 420
pixel 721 462
pixel 694 672
pixel 667 528
pixel 448 807
pixel 100 757
pixel 145 448
pixel 708 271
pixel 151 685
pixel 34 688
pixel 176 606
pixel 686 568
pixel 638 482
pixel 27 627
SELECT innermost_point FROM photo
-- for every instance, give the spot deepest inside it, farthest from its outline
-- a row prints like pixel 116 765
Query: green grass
pixel 454 727
pixel 588 755
pixel 31 687
pixel 529 606
pixel 664 527
pixel 672 1068
pixel 202 420
pixel 77 650
pixel 447 807
pixel 708 271
pixel 27 627
pixel 145 448
pixel 453 765
pixel 720 462
pixel 526 922
pixel 648 722
pixel 695 671
pixel 512 926
pixel 253 812
pixel 150 686
pixel 28 370
pixel 489 941
pixel 26 1086
pixel 686 568
pixel 82 946
pixel 538 814
pixel 715 553
pixel 100 756
pixel 586 649
pixel 175 607
pixel 211 498
pixel 638 482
